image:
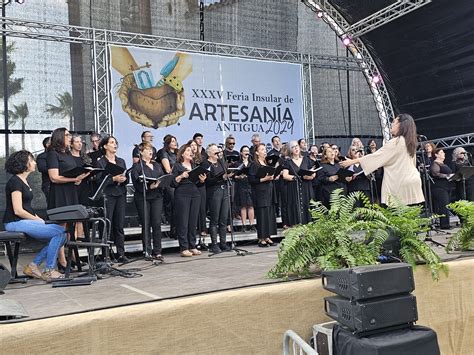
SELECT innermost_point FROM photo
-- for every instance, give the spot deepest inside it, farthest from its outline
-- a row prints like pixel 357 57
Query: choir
pixel 188 185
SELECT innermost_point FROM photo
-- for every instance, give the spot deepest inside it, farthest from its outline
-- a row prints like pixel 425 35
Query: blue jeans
pixel 55 234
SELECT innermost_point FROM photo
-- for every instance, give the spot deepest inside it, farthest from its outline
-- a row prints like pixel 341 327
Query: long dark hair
pixel 407 129
pixel 104 141
pixel 58 139
pixel 179 156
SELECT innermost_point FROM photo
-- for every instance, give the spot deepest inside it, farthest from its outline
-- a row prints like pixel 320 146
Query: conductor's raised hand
pixel 346 163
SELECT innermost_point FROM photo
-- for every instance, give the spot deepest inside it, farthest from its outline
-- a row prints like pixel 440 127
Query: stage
pixel 185 303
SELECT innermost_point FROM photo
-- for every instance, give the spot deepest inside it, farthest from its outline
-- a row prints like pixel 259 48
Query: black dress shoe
pixel 122 259
pixel 61 269
pixel 158 258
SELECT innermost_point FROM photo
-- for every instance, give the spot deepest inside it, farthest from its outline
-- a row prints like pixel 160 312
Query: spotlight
pixel 376 79
pixel 320 14
pixel 346 40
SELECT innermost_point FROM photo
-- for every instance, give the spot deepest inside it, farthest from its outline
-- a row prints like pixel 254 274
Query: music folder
pixel 114 169
pixel 198 170
pixel 278 170
pixel 272 159
pixel 343 173
pixel 463 173
pixel 306 172
pixel 165 180
pixel 265 170
pixel 79 170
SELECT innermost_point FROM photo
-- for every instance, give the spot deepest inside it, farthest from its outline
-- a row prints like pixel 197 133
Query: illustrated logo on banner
pixel 149 103
pixel 183 93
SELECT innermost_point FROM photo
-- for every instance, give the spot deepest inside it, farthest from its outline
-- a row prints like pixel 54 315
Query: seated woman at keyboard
pixel 20 217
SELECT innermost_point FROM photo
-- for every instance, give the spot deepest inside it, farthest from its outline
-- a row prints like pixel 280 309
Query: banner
pixel 169 92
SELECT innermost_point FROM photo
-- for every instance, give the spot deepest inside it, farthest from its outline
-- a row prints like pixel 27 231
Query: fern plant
pixel 464 238
pixel 406 223
pixel 346 235
pixel 343 236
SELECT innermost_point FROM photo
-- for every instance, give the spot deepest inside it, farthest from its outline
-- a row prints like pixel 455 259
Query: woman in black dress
pixel 328 179
pixel 81 159
pixel 187 201
pixel 243 191
pixel 298 187
pixel 442 188
pixel 167 158
pixel 153 201
pixel 115 193
pixel 264 198
pixel 63 190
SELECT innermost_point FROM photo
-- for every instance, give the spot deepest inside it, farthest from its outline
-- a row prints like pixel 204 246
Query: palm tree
pixel 19 113
pixel 64 109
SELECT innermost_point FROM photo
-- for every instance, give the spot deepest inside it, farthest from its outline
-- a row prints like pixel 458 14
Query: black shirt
pixel 216 177
pixel 156 172
pixel 16 184
pixel 168 154
pixel 42 164
pixel 113 188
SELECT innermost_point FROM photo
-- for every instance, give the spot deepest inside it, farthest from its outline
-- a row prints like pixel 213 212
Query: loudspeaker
pixel 5 277
pixel 373 314
pixel 365 282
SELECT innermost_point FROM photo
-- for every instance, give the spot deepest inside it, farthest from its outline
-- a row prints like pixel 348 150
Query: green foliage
pixel 347 235
pixel 14 85
pixel 342 236
pixel 64 109
pixel 464 238
pixel 406 223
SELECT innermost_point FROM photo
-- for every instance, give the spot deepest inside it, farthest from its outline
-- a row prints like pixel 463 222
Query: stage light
pixel 320 14
pixel 346 40
pixel 376 79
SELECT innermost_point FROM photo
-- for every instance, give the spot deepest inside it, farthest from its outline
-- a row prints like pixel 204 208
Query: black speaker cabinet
pixel 364 282
pixel 5 276
pixel 373 314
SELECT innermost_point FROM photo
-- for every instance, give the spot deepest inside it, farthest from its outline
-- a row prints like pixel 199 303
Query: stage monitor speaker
pixel 365 282
pixel 373 314
pixel 5 277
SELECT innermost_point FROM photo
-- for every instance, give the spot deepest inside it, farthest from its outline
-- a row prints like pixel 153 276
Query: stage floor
pixel 177 277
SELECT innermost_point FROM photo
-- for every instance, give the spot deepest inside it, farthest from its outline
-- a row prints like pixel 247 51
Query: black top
pixel 178 169
pixel 234 157
pixel 136 153
pixel 62 194
pixel 113 188
pixel 95 156
pixel 16 184
pixel 216 177
pixel 273 151
pixel 440 173
pixel 156 172
pixel 167 154
pixel 42 164
pixel 204 154
pixel 360 183
pixel 326 172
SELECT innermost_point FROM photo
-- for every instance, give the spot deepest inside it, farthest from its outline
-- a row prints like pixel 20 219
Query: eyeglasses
pixel 231 143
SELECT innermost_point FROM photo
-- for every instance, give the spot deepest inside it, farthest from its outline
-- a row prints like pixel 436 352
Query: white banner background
pixel 230 90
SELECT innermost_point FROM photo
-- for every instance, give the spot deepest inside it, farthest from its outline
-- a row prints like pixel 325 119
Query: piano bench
pixel 12 241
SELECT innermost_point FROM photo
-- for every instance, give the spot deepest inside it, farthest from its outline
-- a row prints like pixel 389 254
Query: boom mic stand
pixel 427 193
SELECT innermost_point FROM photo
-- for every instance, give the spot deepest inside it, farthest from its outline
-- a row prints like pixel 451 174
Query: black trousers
pixel 168 203
pixel 202 209
pixel 154 208
pixel 441 197
pixel 115 213
pixel 218 200
pixel 187 201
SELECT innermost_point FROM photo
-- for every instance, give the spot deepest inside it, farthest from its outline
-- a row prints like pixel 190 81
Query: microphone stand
pixel 146 228
pixel 427 192
pixel 238 251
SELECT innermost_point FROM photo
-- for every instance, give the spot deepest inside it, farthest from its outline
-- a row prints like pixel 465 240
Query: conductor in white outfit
pixel 398 158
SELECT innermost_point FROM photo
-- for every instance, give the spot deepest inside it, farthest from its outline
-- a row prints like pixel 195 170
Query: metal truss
pixel 308 113
pixel 464 140
pixel 100 39
pixel 383 16
pixel 358 49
